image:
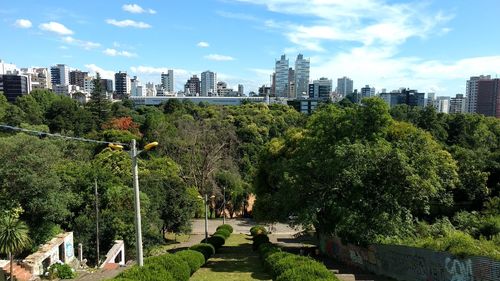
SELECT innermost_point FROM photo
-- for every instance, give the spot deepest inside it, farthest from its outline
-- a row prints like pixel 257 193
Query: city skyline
pixel 386 44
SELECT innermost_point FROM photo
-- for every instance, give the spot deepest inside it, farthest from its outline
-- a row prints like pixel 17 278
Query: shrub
pixel 61 271
pixel 226 227
pixel 206 249
pixel 258 229
pixel 272 259
pixel 216 240
pixel 267 249
pixel 223 232
pixel 179 269
pixel 289 262
pixel 313 271
pixel 193 258
pixel 258 240
pixel 150 272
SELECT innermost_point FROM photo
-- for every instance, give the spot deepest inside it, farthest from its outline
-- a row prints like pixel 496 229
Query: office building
pixel 77 77
pixel 241 91
pixel 345 86
pixel 320 89
pixel 88 84
pixel 488 97
pixel 107 85
pixel 122 85
pixel 167 81
pixel 8 68
pixel 457 104
pixel 39 77
pixel 192 86
pixel 59 75
pixel 442 104
pixel 471 92
pixel 14 86
pixel 281 80
pixel 208 83
pixel 302 68
pixel 367 92
pixel 404 96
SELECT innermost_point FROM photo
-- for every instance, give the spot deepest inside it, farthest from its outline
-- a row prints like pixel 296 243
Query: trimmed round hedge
pixel 193 258
pixel 272 259
pixel 223 232
pixel 150 272
pixel 216 240
pixel 258 229
pixel 226 227
pixel 206 249
pixel 179 268
pixel 258 240
pixel 267 249
pixel 289 262
pixel 312 271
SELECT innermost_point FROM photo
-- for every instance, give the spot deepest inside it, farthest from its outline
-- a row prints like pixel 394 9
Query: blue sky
pixel 430 45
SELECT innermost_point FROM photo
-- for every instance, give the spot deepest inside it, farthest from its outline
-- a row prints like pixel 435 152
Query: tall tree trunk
pixel 11 266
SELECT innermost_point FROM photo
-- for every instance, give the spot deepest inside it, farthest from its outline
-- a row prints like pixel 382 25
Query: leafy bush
pixel 490 226
pixel 206 249
pixel 289 262
pixel 311 271
pixel 267 249
pixel 61 271
pixel 258 229
pixel 258 240
pixel 150 272
pixel 272 259
pixel 226 227
pixel 223 232
pixel 193 258
pixel 215 240
pixel 179 269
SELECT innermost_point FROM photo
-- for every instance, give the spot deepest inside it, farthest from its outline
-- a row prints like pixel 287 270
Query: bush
pixel 272 259
pixel 267 249
pixel 289 262
pixel 223 232
pixel 258 229
pixel 312 271
pixel 173 264
pixel 150 272
pixel 61 271
pixel 206 249
pixel 193 258
pixel 216 240
pixel 258 240
pixel 225 227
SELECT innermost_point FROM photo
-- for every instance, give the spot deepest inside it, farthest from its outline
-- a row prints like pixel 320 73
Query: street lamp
pixel 205 199
pixel 137 203
pixel 224 207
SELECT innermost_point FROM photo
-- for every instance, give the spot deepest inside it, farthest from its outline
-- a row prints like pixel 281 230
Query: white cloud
pixel 87 45
pixel 216 57
pixel 56 28
pixel 23 23
pixel 128 23
pixel 106 74
pixel 203 44
pixel 114 53
pixel 136 9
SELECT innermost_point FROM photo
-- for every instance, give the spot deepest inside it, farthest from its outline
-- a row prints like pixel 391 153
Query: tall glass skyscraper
pixel 302 67
pixel 281 80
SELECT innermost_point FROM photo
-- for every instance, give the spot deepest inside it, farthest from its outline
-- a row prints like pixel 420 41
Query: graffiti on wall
pixel 412 264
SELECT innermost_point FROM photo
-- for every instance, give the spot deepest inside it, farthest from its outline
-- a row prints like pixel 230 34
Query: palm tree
pixel 13 237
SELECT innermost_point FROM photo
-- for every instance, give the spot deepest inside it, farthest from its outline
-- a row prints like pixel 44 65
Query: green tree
pixel 14 237
pixel 34 113
pixel 99 105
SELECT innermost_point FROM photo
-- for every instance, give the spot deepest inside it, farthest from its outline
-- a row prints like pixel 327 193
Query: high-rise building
pixel 77 77
pixel 208 83
pixel 59 75
pixel 345 86
pixel 122 85
pixel 442 104
pixel 404 96
pixel 488 97
pixel 281 83
pixel 320 89
pixel 88 84
pixel 8 68
pixel 302 68
pixel 38 76
pixel 14 86
pixel 107 85
pixel 457 104
pixel 192 86
pixel 241 91
pixel 291 83
pixel 471 92
pixel 167 81
pixel 367 92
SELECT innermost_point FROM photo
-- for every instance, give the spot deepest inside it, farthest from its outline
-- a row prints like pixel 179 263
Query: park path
pixel 235 261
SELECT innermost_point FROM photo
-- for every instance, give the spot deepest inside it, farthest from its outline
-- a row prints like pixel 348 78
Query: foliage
pixel 258 229
pixel 258 240
pixel 150 272
pixel 223 232
pixel 216 240
pixel 226 227
pixel 193 258
pixel 176 265
pixel 206 249
pixel 61 271
pixel 312 271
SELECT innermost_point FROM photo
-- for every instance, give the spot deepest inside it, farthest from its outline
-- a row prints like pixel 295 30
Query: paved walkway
pixel 239 226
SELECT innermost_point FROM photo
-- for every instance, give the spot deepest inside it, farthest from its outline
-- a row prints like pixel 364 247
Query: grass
pixel 235 261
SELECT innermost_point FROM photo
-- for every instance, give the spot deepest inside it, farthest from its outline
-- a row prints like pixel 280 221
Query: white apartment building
pixel 282 78
pixel 302 69
pixel 167 81
pixel 208 83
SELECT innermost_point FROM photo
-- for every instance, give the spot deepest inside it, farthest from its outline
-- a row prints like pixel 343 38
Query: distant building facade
pixel 59 75
pixel 320 89
pixel 345 86
pixel 471 92
pixel 122 85
pixel 208 83
pixel 192 86
pixel 367 92
pixel 167 81
pixel 77 77
pixel 457 104
pixel 281 83
pixel 302 69
pixel 488 97
pixel 14 86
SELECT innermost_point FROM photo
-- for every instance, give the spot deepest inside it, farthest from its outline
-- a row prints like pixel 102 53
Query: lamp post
pixel 224 207
pixel 205 201
pixel 137 202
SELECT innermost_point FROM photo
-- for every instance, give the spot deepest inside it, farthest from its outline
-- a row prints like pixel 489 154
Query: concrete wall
pixel 412 264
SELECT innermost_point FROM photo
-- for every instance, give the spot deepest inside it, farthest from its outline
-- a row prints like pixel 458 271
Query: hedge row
pixel 214 242
pixel 258 229
pixel 285 266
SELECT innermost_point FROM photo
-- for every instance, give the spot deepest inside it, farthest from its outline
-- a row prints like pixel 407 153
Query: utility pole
pixel 137 204
pixel 224 207
pixel 96 221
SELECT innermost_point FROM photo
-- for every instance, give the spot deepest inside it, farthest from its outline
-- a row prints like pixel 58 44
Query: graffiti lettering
pixel 355 257
pixel 459 270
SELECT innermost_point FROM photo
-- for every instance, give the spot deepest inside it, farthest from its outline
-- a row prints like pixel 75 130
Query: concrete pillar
pixel 80 252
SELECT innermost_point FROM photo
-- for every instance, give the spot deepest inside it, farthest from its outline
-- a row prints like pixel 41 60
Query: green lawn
pixel 234 261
